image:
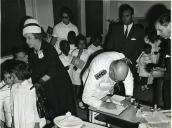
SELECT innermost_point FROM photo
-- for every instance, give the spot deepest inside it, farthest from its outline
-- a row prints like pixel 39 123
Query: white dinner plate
pixel 68 122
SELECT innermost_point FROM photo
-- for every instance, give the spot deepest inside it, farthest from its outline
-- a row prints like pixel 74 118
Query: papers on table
pixel 119 109
pixel 116 99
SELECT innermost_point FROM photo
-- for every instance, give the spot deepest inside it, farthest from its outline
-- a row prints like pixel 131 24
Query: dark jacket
pixel 131 46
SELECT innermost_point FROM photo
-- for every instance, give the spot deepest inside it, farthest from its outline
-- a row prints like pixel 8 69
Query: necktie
pixel 119 89
pixel 126 32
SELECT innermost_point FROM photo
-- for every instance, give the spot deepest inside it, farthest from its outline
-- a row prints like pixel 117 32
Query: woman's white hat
pixel 31 26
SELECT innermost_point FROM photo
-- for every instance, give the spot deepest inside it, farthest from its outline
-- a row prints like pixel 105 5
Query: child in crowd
pixel 23 99
pixel 5 86
pixel 21 54
pixel 64 55
pixel 72 40
pixel 142 61
pixel 80 56
pixel 95 44
pixel 152 39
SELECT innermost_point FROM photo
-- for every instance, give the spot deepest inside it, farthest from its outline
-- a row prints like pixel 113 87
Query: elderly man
pixel 163 27
pixel 101 78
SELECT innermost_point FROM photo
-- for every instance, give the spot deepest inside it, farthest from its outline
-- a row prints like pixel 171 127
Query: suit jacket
pixel 131 46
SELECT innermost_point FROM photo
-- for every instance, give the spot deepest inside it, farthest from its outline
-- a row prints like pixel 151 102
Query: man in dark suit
pixel 125 36
pixel 163 28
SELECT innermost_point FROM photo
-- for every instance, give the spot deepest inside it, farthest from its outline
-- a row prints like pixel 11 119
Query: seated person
pixel 103 76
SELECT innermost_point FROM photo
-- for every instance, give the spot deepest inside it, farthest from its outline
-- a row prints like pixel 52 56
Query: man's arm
pixel 90 88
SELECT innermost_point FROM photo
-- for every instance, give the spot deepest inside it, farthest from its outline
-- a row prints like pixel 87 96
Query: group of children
pixel 17 102
pixel 74 56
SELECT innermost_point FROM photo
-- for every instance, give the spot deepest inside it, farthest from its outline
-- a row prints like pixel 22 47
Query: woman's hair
pixel 151 33
pixel 67 11
pixel 21 70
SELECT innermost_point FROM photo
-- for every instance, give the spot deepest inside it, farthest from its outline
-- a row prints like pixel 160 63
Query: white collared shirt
pixel 129 27
pixel 95 89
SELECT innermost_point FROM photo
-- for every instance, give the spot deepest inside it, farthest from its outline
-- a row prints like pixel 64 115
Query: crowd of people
pixel 55 76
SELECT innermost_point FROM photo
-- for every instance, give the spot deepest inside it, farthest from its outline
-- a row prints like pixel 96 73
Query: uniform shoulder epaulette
pixel 100 74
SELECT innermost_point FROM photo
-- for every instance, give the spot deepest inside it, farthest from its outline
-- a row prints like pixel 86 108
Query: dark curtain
pixel 94 17
pixel 11 33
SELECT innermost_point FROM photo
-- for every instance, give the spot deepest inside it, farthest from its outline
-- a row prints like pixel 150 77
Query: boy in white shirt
pixel 23 99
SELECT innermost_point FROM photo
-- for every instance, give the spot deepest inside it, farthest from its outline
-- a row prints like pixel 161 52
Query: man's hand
pixel 108 105
pixel 126 102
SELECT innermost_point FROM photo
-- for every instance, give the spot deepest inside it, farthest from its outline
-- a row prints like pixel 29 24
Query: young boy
pixel 23 99
pixel 5 86
pixel 71 40
pixel 64 55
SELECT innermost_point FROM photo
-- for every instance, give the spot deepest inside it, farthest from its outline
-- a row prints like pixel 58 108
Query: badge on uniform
pixel 100 74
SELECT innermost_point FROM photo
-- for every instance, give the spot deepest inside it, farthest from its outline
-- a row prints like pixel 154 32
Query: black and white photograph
pixel 85 64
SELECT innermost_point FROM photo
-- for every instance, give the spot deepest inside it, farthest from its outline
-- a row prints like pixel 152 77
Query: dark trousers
pixel 167 94
pixel 78 90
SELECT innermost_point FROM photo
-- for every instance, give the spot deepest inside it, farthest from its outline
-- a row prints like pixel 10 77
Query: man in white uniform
pixel 61 30
pixel 99 79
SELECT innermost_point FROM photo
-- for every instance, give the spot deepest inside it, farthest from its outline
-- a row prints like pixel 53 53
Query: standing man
pixel 126 37
pixel 163 27
pixel 104 76
pixel 61 30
